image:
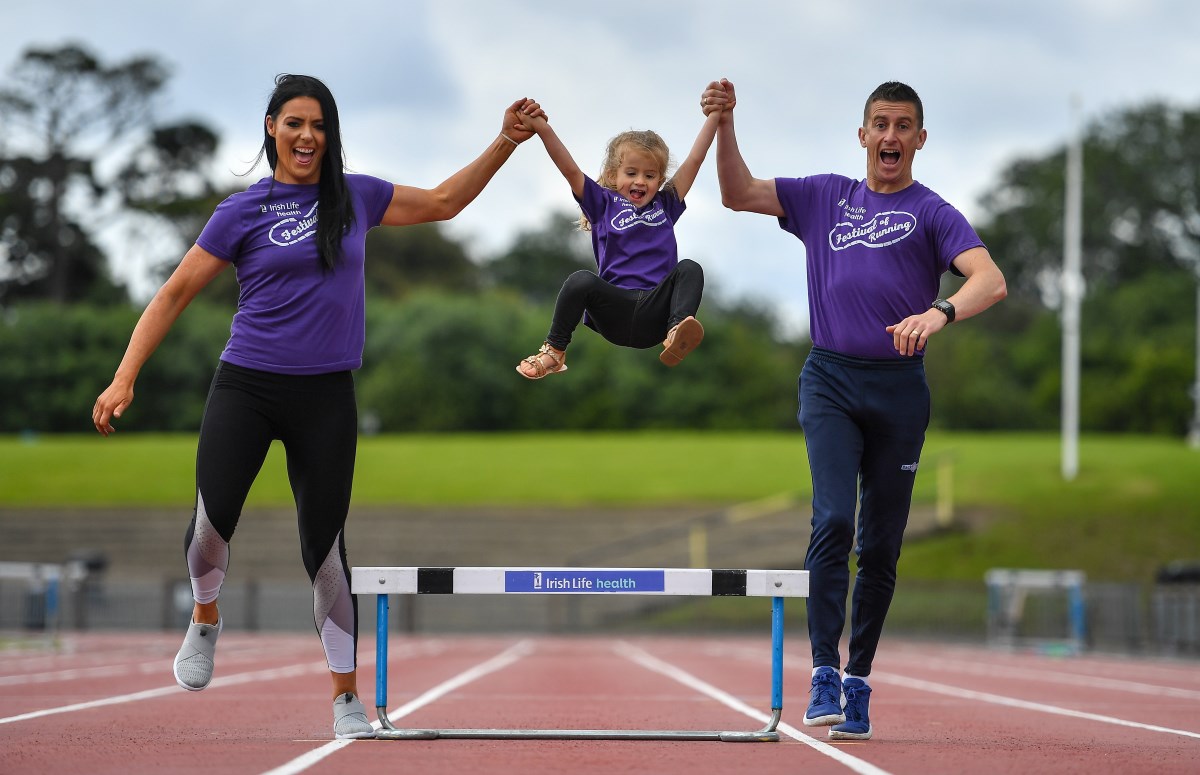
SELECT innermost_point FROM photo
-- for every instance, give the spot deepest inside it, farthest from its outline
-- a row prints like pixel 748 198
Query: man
pixel 876 250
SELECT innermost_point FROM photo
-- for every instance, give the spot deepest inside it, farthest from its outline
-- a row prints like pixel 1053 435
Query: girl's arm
pixel 412 205
pixel 690 167
pixel 558 153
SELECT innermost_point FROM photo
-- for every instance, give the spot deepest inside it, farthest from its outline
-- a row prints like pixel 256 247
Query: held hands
pixel 719 96
pixel 910 335
pixel 533 118
pixel 517 118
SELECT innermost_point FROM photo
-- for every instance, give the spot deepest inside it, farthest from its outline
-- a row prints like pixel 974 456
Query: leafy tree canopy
pixel 63 111
pixel 1141 204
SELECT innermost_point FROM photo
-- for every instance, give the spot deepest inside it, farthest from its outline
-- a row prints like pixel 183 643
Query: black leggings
pixel 630 318
pixel 315 417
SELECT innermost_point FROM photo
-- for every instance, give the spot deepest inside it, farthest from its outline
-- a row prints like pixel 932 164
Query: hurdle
pixel 47 584
pixel 385 581
pixel 1009 590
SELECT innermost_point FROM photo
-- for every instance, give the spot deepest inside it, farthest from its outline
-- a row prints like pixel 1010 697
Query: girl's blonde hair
pixel 635 139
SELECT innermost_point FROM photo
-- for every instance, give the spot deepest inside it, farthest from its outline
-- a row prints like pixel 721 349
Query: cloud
pixel 421 87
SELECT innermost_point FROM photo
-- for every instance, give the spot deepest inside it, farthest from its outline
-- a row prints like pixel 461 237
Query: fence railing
pixel 1159 619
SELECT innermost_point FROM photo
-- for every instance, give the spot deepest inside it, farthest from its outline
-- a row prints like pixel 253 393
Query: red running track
pixel 103 703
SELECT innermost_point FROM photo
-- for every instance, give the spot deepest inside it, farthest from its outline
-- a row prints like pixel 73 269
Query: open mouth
pixel 889 157
pixel 636 196
pixel 304 155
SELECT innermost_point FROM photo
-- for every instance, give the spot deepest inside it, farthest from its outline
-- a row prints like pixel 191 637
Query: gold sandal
pixel 539 367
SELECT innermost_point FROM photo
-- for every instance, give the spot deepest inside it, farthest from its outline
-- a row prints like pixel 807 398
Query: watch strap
pixel 945 307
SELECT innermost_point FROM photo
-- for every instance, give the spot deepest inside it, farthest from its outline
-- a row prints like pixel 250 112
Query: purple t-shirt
pixel 635 248
pixel 873 259
pixel 294 317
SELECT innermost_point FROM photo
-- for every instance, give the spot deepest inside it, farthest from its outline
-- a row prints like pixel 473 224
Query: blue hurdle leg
pixel 777 653
pixel 381 659
pixel 768 733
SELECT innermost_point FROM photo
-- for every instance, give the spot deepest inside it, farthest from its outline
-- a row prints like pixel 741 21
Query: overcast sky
pixel 421 87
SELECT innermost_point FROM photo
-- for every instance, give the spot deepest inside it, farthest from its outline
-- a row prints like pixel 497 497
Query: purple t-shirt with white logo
pixel 873 259
pixel 635 248
pixel 294 316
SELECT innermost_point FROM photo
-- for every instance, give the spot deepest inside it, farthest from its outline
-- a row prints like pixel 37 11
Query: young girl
pixel 642 294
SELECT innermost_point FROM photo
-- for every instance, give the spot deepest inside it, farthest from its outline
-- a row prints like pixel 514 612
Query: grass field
pixel 1134 505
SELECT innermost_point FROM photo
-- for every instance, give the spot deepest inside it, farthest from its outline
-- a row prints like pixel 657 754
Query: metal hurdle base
pixel 389 732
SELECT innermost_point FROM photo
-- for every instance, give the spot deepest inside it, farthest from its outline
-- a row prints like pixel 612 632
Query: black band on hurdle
pixel 435 581
pixel 729 583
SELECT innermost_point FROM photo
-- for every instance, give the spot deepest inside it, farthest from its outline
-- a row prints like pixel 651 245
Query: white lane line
pixel 993 670
pixel 76 673
pixel 498 662
pixel 1149 666
pixel 1011 702
pixel 270 674
pixel 687 679
pixel 231 680
pixel 1071 679
pixel 158 667
pixel 161 664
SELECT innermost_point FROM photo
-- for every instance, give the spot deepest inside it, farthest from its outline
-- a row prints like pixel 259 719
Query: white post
pixel 1194 434
pixel 944 511
pixel 1072 289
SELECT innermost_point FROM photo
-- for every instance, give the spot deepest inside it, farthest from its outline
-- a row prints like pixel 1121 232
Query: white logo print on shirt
pixel 295 228
pixel 628 217
pixel 882 230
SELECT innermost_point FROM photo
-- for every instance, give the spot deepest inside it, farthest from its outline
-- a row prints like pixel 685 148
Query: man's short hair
pixel 894 91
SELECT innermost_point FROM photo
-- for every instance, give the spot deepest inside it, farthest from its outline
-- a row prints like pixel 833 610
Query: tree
pixel 167 176
pixel 1141 255
pixel 1141 204
pixel 445 362
pixel 67 111
pixel 43 253
pixel 419 256
pixel 165 182
pixel 55 359
pixel 540 260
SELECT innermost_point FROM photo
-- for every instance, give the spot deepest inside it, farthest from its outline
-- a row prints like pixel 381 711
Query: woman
pixel 297 241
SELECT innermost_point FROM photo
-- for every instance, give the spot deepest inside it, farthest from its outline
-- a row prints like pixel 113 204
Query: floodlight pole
pixel 1194 433
pixel 1072 290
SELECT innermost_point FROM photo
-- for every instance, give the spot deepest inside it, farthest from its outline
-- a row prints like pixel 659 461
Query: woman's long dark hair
pixel 335 214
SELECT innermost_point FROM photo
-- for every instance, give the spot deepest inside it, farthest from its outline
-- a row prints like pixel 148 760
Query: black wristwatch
pixel 945 308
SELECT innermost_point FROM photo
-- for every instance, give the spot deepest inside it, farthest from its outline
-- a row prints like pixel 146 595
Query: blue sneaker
pixel 825 701
pixel 856 726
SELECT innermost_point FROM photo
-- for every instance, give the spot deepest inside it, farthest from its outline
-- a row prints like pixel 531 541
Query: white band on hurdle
pixel 585 581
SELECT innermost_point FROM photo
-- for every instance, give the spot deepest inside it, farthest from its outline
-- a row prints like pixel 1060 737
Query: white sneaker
pixel 350 719
pixel 194 662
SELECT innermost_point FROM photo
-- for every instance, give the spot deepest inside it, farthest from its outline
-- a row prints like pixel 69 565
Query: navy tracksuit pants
pixel 864 423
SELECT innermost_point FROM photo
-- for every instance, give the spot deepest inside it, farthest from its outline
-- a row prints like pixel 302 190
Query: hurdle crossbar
pixel 385 581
